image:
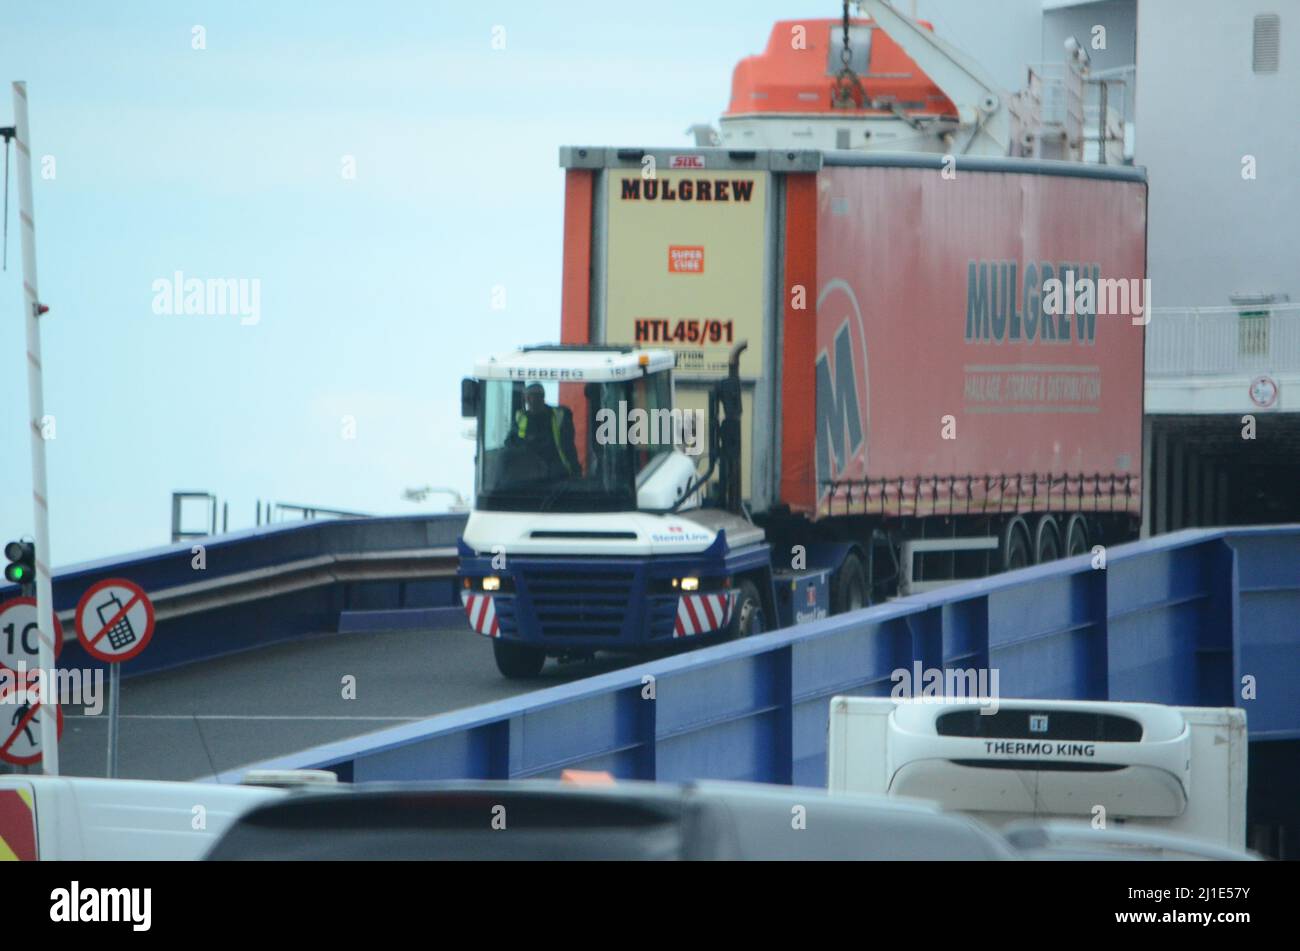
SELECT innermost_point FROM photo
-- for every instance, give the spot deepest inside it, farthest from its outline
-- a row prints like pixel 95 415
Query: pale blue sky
pixel 375 292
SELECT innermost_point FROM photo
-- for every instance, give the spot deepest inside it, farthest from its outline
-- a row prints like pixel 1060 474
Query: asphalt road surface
pixel 226 713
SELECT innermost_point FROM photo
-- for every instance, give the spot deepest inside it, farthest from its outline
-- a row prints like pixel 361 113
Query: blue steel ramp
pixel 1181 619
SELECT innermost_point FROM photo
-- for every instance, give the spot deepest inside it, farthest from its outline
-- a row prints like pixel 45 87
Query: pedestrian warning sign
pixel 114 620
pixel 21 726
pixel 20 704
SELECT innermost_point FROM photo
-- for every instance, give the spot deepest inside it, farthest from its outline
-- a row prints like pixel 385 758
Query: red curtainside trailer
pixel 944 373
pixel 943 382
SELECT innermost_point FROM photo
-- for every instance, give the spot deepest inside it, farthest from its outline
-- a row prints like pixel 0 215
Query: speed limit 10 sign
pixel 20 637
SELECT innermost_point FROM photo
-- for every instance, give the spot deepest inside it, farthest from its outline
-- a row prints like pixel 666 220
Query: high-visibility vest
pixel 521 428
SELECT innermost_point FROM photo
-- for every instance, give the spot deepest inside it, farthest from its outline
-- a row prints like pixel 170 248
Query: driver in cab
pixel 546 432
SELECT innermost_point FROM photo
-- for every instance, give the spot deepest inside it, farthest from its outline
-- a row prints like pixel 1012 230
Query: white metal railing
pixel 1058 88
pixel 1067 112
pixel 1223 341
pixel 1105 118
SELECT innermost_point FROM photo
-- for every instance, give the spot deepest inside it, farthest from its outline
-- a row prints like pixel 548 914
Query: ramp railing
pixel 1200 617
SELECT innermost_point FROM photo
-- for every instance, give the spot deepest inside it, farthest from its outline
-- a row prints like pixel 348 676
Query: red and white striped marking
pixel 703 613
pixel 482 613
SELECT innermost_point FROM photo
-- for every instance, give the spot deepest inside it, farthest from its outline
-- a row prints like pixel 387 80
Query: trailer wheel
pixel 1016 551
pixel 1076 536
pixel 849 592
pixel 1047 540
pixel 747 617
pixel 517 661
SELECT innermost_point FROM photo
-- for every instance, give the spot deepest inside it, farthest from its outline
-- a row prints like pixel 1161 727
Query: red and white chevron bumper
pixel 482 613
pixel 703 613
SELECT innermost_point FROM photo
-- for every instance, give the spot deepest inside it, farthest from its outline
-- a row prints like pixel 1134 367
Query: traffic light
pixel 22 563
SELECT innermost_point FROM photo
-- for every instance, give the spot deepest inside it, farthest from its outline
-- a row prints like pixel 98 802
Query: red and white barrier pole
pixel 32 310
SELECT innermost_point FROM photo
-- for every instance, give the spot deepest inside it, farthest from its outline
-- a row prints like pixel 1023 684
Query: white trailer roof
pixel 587 364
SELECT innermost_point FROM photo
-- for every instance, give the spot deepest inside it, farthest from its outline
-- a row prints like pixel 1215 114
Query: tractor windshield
pixel 568 447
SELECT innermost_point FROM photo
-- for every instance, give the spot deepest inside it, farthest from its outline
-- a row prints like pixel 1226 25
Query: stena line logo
pixel 76 904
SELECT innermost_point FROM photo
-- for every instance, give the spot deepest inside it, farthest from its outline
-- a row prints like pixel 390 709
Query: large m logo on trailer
pixel 841 409
pixel 839 422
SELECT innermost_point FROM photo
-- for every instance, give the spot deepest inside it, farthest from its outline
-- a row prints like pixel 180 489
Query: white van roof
pixel 90 818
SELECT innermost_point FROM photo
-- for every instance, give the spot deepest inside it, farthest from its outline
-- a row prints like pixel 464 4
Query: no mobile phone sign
pixel 114 620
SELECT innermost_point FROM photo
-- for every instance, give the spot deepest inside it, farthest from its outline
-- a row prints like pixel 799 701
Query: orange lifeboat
pixel 787 95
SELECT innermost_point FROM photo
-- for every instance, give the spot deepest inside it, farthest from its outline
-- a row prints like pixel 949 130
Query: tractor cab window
pixel 548 446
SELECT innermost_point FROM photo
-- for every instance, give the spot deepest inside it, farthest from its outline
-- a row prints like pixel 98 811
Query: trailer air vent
pixel 1268 33
pixel 1040 765
pixel 1042 725
pixel 631 536
pixel 631 155
pixel 742 155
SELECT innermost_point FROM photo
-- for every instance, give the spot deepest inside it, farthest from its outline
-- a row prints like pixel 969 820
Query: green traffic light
pixel 22 556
